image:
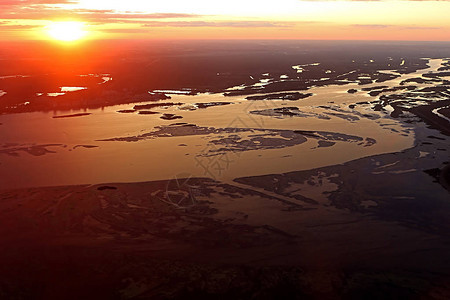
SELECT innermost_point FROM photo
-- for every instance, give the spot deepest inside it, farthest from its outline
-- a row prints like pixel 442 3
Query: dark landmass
pixel 85 146
pixel 203 105
pixel 106 187
pixel 147 112
pixel 35 150
pixel 375 93
pixel 215 67
pixel 426 114
pixel 420 80
pixel 95 96
pixel 323 144
pixel 126 111
pixel 381 87
pixel 170 117
pixel 444 111
pixel 236 143
pixel 282 112
pixel 435 75
pixel 446 66
pixel 289 112
pixel 352 76
pixel 72 115
pixel 211 104
pixel 154 105
pixel 224 140
pixel 343 116
pixel 281 96
pixel 421 103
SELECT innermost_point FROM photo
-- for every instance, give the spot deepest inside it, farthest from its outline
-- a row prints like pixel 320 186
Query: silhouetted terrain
pixel 139 67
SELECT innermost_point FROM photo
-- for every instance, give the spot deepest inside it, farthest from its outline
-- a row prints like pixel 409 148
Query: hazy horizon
pixel 251 19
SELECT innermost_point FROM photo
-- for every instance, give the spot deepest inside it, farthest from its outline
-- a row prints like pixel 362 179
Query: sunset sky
pixel 231 19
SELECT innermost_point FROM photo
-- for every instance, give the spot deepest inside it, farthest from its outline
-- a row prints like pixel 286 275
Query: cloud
pixel 62 9
pixel 146 28
pixel 125 30
pixel 95 16
pixel 240 24
pixel 111 17
pixel 398 27
pixel 35 2
pixel 8 26
pixel 371 26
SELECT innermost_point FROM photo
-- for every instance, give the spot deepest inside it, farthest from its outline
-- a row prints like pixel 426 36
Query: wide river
pixel 164 158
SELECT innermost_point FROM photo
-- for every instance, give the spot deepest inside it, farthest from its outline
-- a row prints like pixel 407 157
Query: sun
pixel 66 31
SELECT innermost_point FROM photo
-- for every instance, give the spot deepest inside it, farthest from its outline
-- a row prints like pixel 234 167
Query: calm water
pixel 164 158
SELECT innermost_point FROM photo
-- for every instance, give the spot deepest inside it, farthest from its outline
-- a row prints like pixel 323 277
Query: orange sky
pixel 232 19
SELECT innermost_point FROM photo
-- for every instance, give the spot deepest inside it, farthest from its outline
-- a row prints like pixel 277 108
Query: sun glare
pixel 66 31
